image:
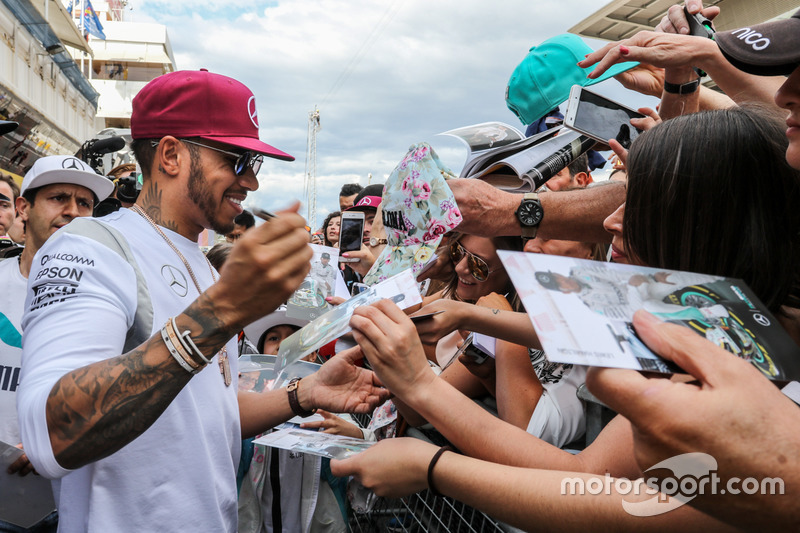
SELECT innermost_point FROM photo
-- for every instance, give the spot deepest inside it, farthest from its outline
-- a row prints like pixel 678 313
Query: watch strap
pixel 681 88
pixel 529 232
pixel 294 403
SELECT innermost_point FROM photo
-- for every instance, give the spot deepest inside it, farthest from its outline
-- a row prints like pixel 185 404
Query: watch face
pixel 530 213
pixel 375 242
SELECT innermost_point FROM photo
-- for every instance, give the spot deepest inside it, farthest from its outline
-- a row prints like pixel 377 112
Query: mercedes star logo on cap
pixel 72 164
pixel 251 111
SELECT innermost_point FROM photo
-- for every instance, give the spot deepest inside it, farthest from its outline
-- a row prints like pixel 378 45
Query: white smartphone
pixel 600 118
pixel 351 231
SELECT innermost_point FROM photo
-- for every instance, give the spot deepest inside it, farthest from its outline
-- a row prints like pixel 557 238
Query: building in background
pixel 41 87
pixel 620 19
pixel 124 56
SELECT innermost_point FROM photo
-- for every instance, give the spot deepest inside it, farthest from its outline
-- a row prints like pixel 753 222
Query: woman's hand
pixel 391 468
pixel 390 343
pixel 334 424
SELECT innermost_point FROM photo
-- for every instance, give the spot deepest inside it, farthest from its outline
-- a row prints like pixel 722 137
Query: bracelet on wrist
pixel 294 402
pixel 431 465
pixel 176 350
pixel 681 88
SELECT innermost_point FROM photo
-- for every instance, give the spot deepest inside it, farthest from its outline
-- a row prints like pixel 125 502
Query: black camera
pixel 128 188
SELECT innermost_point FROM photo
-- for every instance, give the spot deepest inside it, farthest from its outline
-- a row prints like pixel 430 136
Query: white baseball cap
pixel 257 329
pixel 66 169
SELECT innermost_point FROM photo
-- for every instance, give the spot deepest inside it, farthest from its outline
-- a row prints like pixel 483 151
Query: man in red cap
pixel 129 382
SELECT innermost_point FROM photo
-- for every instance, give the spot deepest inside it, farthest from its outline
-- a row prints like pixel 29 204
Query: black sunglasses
pixel 243 160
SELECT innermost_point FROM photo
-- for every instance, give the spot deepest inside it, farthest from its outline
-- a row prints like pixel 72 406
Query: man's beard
pixel 200 193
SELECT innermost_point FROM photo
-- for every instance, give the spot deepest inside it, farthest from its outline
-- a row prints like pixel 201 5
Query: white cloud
pixel 426 67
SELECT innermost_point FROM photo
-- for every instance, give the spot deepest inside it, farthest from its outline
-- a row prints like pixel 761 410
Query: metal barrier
pixel 422 512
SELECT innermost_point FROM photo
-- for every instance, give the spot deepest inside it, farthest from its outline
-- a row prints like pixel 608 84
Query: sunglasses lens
pixel 478 268
pixel 248 159
pixel 256 162
pixel 456 253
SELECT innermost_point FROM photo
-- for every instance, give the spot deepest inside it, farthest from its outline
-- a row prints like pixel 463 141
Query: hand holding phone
pixel 351 231
pixel 600 118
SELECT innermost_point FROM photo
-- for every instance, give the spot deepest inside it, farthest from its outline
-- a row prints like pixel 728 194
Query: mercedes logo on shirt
pixel 175 279
pixel 71 163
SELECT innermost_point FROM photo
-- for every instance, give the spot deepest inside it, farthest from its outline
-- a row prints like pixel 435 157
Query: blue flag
pixel 91 24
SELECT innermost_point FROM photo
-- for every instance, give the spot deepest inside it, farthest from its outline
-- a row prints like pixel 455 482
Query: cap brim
pixel 363 208
pixel 7 126
pixel 611 72
pixel 101 186
pixel 254 145
pixel 255 330
pixel 779 58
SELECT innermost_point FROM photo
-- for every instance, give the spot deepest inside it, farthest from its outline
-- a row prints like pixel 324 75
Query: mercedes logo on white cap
pixel 71 163
pixel 251 111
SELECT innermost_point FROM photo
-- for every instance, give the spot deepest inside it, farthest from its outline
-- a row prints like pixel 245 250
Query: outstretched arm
pixel 535 500
pixel 392 347
pixel 729 411
pixel 575 215
pixel 99 407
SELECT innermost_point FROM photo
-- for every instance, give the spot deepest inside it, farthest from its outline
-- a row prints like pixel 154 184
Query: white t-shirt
pixel 180 474
pixel 12 297
pixel 559 416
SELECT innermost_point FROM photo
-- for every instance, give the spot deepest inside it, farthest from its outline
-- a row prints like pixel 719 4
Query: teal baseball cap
pixel 544 78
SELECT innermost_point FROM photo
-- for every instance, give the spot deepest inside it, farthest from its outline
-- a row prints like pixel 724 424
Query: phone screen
pixel 604 119
pixel 350 234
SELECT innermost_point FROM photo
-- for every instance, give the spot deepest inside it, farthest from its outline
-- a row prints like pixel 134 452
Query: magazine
pixel 314 443
pixel 26 499
pixel 308 301
pixel 401 289
pixel 523 165
pixel 582 312
pixel 480 138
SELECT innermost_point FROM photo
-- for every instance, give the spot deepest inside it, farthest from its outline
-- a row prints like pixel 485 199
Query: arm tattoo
pixel 151 203
pixel 495 311
pixel 96 410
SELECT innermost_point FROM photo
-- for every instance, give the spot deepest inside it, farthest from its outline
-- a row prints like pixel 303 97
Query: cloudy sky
pixel 384 74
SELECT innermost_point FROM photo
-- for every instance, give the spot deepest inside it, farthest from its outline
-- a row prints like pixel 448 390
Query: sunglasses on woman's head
pixel 477 266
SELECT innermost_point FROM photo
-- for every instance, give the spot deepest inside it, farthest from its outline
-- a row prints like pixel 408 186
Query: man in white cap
pixel 56 190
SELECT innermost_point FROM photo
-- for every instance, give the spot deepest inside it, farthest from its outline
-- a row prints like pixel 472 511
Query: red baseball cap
pixel 198 103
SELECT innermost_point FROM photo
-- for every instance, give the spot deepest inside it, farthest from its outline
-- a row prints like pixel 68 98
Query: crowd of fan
pixel 138 438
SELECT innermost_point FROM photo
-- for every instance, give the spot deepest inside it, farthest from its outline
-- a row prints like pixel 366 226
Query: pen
pixel 263 214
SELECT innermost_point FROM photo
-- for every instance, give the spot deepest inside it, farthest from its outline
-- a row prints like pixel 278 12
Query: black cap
pixel 767 49
pixel 547 280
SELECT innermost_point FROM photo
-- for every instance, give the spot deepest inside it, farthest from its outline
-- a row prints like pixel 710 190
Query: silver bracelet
pixel 175 354
pixel 188 344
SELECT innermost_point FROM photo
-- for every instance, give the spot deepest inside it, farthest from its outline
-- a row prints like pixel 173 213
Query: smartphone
pixel 351 231
pixel 600 118
pixel 470 350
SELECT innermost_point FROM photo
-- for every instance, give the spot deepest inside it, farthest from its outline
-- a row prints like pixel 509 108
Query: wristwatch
pixel 294 403
pixel 373 241
pixel 530 214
